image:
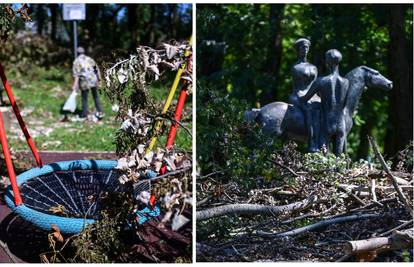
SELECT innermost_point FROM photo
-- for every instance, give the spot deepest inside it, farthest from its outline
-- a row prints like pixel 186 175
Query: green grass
pixel 38 89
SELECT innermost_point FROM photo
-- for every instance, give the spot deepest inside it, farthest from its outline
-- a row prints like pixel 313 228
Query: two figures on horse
pixel 320 109
pixel 324 122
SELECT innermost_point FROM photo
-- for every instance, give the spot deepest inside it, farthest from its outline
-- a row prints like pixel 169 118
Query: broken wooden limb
pixel 372 190
pixel 401 177
pixel 397 241
pixel 401 226
pixel 363 191
pixel 353 196
pixel 320 224
pixel 400 194
pixel 285 167
pixel 309 215
pixel 254 209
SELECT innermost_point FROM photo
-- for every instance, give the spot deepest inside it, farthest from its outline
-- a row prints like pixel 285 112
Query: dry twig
pixel 400 194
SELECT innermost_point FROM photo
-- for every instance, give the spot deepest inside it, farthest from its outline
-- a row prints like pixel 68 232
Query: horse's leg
pixel 339 143
pixel 345 145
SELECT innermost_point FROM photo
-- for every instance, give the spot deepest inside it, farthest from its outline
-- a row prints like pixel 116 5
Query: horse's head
pixel 374 79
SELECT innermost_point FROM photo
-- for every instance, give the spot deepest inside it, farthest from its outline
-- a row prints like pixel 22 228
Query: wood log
pixel 254 209
pixel 397 241
pixel 319 225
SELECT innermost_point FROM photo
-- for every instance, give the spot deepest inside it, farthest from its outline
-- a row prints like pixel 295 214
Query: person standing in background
pixel 86 75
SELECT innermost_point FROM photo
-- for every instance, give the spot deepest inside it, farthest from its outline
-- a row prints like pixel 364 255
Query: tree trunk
pixel 40 18
pixel 92 11
pixel 133 14
pixel 401 73
pixel 172 14
pixel 274 51
pixel 152 26
pixel 53 20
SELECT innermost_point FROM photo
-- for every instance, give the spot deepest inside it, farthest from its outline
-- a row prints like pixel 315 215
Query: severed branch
pixel 353 196
pixel 400 194
pixel 310 215
pixel 398 240
pixel 254 209
pixel 372 190
pixel 285 167
pixel 320 224
pixel 365 191
pixel 397 228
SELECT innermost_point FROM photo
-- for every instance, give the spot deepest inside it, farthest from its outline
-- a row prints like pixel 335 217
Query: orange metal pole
pixel 9 163
pixel 19 117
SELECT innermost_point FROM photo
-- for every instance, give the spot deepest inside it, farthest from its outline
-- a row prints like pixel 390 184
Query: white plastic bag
pixel 70 104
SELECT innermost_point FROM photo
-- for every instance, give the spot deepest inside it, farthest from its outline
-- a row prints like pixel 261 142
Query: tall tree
pixel 133 15
pixel 274 50
pixel 152 26
pixel 41 17
pixel 91 23
pixel 53 20
pixel 172 20
pixel 401 73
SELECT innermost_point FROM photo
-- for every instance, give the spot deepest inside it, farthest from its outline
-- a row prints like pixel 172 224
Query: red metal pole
pixel 174 125
pixel 178 112
pixel 9 163
pixel 19 117
pixel 177 117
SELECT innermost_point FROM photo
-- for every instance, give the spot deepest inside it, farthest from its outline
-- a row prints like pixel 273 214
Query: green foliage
pixel 6 18
pixel 226 143
pixel 406 256
pixel 317 162
pixel 28 49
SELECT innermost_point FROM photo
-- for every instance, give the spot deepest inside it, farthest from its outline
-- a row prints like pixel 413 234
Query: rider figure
pixel 304 73
pixel 332 89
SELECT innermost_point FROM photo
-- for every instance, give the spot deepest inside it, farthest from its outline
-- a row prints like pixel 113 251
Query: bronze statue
pixel 332 89
pixel 288 120
pixel 304 73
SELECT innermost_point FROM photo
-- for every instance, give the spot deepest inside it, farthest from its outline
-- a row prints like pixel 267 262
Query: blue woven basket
pixel 74 186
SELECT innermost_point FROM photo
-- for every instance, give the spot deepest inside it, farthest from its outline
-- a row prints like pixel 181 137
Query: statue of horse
pixel 287 121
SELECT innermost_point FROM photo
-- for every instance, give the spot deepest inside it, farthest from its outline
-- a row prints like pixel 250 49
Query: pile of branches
pixel 138 115
pixel 164 238
pixel 321 208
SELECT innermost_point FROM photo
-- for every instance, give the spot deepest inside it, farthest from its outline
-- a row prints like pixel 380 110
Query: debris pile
pixel 316 208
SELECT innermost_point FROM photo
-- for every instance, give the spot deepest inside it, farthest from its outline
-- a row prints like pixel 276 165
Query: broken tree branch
pixel 254 209
pixel 400 194
pixel 372 190
pixel 320 224
pixel 309 215
pixel 285 167
pixel 397 228
pixel 398 240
